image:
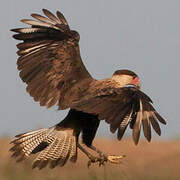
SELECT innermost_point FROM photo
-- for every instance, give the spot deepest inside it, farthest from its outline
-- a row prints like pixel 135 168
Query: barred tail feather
pixel 26 143
pixel 56 146
pixel 73 153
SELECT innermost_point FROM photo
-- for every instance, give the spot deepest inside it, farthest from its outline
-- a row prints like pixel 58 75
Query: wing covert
pixel 49 59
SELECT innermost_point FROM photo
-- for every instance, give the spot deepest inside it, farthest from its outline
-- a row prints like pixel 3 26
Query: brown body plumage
pixel 50 64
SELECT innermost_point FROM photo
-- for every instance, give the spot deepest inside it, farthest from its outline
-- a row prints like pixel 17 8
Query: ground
pixel 147 161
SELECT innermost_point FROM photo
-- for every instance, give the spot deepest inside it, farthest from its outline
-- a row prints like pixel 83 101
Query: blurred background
pixel 143 36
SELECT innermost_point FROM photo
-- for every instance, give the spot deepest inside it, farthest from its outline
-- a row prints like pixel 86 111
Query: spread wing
pixel 121 107
pixel 49 59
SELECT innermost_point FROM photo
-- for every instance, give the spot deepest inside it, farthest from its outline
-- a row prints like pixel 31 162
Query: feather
pixel 60 154
pixel 28 74
pixel 27 134
pixel 26 36
pixel 73 153
pixel 28 30
pixel 154 123
pixel 66 152
pixel 34 85
pixel 53 100
pixel 124 125
pixel 34 56
pixel 26 45
pixel 157 115
pixel 43 19
pixel 61 18
pixel 37 93
pixel 39 24
pixel 133 119
pixel 31 49
pixel 51 16
pixel 46 95
pixel 56 154
pixel 143 96
pixel 146 126
pixel 46 155
pixel 22 157
pixel 137 125
pixel 41 157
pixel 159 118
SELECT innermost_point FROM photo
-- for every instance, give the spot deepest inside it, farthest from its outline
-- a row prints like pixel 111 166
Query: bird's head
pixel 125 77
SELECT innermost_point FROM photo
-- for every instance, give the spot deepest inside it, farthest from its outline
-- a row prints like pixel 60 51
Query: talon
pixel 92 159
pixel 115 159
pixel 100 160
pixel 103 159
pixel 89 164
pixel 101 163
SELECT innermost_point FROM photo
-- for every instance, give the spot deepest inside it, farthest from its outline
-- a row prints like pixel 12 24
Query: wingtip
pixel 35 164
pixel 159 133
pixel 13 141
pixel 58 12
pixel 13 30
pixel 33 15
pixel 23 20
pixel 113 130
pixel 135 142
pixel 148 139
pixel 160 118
pixel 12 149
pixel 164 122
pixel 136 138
pixel 119 138
pixel 45 10
pixel 19 135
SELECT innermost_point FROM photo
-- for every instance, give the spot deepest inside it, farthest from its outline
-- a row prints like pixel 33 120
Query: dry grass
pixel 157 160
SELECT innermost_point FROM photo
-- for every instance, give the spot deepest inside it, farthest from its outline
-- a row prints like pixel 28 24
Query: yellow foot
pixel 115 159
pixel 104 159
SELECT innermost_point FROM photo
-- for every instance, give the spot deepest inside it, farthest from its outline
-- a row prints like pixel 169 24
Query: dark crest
pixel 125 72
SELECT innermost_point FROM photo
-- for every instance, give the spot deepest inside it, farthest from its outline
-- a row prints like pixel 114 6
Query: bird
pixel 50 64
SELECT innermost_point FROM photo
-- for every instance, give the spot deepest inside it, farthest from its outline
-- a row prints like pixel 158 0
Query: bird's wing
pixel 121 107
pixel 49 59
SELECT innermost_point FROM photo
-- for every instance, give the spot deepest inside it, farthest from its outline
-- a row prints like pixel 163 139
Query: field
pixel 147 161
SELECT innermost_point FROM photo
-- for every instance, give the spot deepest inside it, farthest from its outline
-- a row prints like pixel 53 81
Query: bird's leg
pixel 110 158
pixel 101 154
pixel 92 159
pixel 102 159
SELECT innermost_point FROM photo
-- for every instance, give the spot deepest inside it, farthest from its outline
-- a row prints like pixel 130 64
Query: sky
pixel 143 36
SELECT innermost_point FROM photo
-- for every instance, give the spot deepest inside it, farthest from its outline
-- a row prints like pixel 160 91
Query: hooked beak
pixel 136 82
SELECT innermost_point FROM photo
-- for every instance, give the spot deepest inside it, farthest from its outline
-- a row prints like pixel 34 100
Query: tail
pixel 56 145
